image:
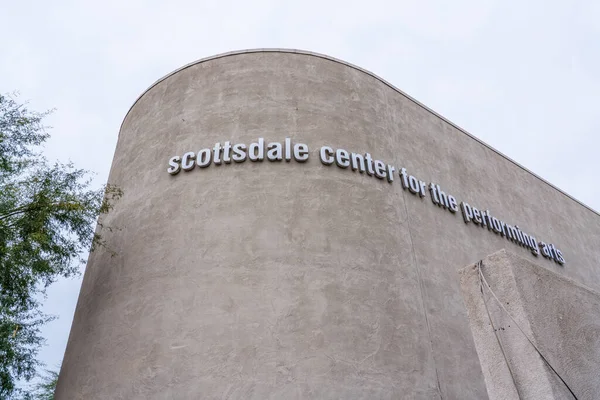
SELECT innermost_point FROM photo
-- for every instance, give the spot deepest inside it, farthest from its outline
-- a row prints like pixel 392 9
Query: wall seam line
pixel 421 290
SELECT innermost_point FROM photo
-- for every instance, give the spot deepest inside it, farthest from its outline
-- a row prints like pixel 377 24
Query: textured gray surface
pixel 288 280
pixel 560 316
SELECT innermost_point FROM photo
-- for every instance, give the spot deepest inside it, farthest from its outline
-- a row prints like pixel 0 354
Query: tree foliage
pixel 43 389
pixel 47 218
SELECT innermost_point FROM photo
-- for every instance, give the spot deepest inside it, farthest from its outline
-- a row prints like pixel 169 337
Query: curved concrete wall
pixel 297 280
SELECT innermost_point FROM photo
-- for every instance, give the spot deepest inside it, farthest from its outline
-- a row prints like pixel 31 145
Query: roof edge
pixel 326 57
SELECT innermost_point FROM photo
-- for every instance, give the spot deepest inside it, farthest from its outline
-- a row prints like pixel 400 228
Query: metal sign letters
pixel 364 163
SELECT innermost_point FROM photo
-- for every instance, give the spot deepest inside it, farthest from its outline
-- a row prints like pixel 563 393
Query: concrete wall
pixel 288 280
pixel 559 316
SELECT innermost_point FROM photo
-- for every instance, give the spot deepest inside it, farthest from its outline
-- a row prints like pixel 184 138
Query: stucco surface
pixel 289 280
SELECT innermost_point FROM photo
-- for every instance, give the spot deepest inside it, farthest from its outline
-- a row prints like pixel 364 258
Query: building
pixel 295 227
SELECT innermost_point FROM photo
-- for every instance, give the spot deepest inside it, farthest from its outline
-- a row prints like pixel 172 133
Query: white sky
pixel 522 76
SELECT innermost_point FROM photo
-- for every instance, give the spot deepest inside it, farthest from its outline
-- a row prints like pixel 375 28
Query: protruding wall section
pixel 520 314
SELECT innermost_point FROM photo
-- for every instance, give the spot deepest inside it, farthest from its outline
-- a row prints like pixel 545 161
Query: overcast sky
pixel 522 76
